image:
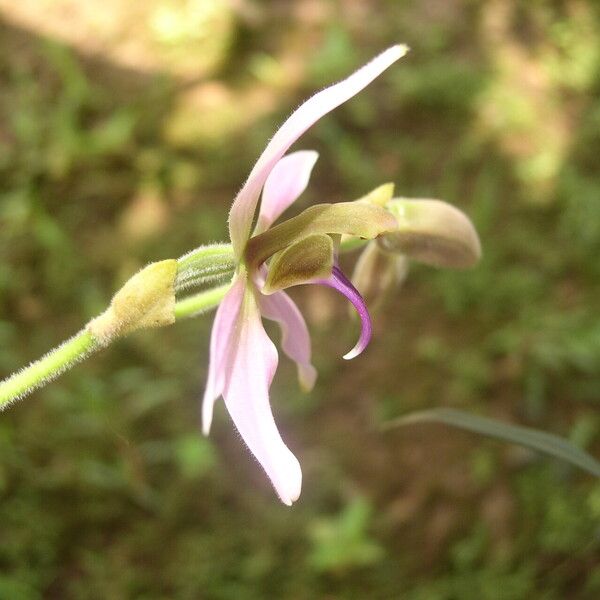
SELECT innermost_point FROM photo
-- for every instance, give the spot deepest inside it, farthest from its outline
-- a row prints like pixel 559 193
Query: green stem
pixel 80 346
pixel 201 302
pixel 47 368
pixel 204 265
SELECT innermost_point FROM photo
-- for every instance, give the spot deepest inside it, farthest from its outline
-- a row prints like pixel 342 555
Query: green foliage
pixel 541 441
pixel 342 542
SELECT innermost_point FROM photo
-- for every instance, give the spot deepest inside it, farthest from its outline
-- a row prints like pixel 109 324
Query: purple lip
pixel 338 281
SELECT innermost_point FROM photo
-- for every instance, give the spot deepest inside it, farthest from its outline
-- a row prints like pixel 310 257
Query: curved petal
pixel 242 211
pixel 220 339
pixel 251 364
pixel 295 339
pixel 285 183
pixel 338 281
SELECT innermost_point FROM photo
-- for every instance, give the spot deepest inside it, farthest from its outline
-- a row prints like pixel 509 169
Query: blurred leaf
pixel 342 541
pixel 541 441
pixel 195 455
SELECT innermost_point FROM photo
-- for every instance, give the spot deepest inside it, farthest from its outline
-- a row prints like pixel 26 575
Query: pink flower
pixel 243 359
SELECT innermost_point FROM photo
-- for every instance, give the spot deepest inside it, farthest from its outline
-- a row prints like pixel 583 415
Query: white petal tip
pixel 353 353
pixel 206 417
pixel 396 52
pixel 288 488
pixel 314 156
pixel 310 154
pixel 400 49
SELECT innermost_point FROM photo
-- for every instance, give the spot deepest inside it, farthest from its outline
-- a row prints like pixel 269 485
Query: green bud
pixel 359 219
pixel 146 300
pixel 433 232
pixel 377 273
pixel 307 259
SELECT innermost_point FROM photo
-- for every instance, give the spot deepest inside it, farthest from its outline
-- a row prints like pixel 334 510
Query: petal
pixel 251 364
pixel 338 281
pixel 244 205
pixel 285 183
pixel 220 339
pixel 295 339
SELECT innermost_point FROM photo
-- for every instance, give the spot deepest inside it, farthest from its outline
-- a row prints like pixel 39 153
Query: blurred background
pixel 125 130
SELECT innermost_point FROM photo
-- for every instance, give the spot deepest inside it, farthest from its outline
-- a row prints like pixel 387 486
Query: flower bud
pixel 377 273
pixel 146 300
pixel 433 232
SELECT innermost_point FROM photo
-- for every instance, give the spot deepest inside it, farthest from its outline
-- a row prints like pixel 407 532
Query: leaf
pixel 541 441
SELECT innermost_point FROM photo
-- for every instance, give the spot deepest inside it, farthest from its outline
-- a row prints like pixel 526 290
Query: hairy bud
pixel 146 300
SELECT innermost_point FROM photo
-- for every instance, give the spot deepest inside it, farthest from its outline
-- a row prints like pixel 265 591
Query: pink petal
pixel 220 338
pixel 295 339
pixel 285 183
pixel 244 205
pixel 251 364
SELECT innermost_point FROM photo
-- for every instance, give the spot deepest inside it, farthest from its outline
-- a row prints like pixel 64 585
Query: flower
pixel 243 359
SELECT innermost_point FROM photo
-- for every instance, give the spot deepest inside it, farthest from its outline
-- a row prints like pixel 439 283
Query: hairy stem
pixel 47 368
pixel 204 265
pixel 201 302
pixel 81 345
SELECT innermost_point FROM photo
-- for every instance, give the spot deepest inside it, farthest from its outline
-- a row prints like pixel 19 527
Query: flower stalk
pixel 47 368
pixel 146 300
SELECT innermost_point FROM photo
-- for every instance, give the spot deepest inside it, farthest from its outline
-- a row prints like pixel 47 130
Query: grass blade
pixel 541 441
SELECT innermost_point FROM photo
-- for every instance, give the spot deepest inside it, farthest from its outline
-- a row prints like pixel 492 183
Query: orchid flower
pixel 243 359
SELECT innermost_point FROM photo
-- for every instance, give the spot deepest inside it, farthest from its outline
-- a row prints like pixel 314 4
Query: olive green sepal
pixel 380 196
pixel 360 219
pixel 305 260
pixel 432 232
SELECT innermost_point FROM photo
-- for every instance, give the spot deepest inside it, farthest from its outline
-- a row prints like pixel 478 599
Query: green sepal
pixel 380 196
pixel 377 273
pixel 360 219
pixel 307 259
pixel 432 232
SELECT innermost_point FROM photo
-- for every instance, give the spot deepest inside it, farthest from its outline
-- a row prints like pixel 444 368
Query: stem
pixel 47 368
pixel 204 265
pixel 201 302
pixel 81 345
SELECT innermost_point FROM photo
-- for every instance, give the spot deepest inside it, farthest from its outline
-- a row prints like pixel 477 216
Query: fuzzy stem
pixel 201 302
pixel 81 345
pixel 204 265
pixel 47 368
